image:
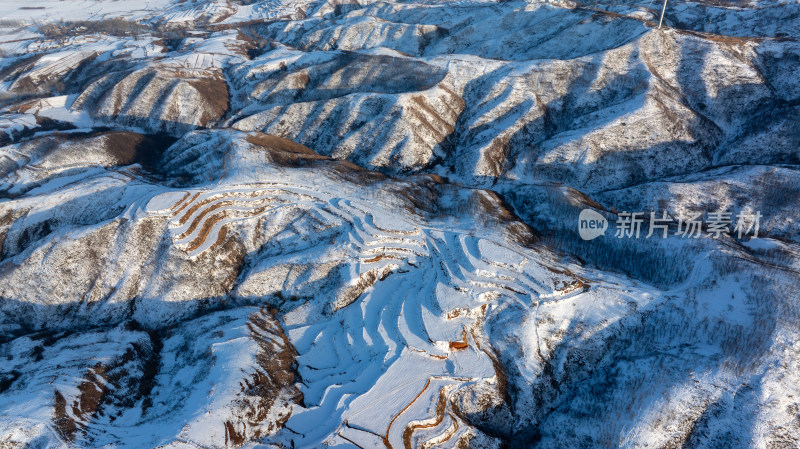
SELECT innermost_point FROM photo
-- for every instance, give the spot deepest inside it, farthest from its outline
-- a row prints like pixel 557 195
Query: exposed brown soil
pixel 496 155
pixel 287 153
pixel 132 148
pixel 491 204
pixel 356 174
pixel 350 294
pixel 216 218
pixel 574 286
pixel 176 212
pixel 63 423
pixel 441 407
pixel 462 344
pixel 178 203
pixel 92 391
pixel 441 128
pixel 197 206
pixel 284 152
pixel 215 91
pixel 271 386
pixel 374 259
pixel 258 204
pixel 421 197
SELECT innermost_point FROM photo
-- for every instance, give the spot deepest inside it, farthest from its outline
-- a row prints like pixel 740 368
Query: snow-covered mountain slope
pixel 374 280
pixel 354 224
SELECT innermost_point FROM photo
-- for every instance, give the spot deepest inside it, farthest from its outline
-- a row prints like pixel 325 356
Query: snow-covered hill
pixel 322 223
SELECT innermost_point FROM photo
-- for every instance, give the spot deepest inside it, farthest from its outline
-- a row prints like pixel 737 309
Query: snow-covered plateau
pixel 355 224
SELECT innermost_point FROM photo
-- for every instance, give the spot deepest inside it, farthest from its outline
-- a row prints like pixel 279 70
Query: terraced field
pixel 380 359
